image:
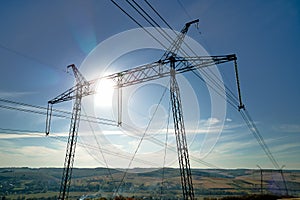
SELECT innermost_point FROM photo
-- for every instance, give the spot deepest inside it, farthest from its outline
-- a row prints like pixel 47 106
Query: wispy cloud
pixel 13 94
pixel 288 128
pixel 19 135
pixel 286 147
pixel 15 135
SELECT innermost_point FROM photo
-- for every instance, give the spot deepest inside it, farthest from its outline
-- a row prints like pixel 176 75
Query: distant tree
pixel 119 198
pixel 252 197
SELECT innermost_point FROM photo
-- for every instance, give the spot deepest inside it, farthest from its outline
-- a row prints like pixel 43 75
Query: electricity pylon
pixel 169 65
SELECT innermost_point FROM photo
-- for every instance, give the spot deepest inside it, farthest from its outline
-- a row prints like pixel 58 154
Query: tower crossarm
pixel 161 69
pixel 185 64
pixel 70 94
pixel 144 73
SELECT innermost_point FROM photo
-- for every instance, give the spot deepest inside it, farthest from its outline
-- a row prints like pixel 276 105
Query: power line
pixel 30 57
pixel 158 14
pixel 183 8
pixel 252 127
pixel 98 144
pixel 62 139
pixel 140 25
pixel 59 113
pixel 141 140
pixel 20 131
pixel 55 110
pixel 165 152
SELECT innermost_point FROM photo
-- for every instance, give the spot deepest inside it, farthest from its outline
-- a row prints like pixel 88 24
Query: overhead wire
pixel 30 57
pixel 14 131
pixel 98 144
pixel 56 137
pixel 57 113
pixel 152 22
pixel 165 153
pixel 53 109
pixel 160 143
pixel 140 25
pixel 230 101
pixel 183 8
pixel 64 139
pixel 253 128
pixel 140 141
pixel 158 14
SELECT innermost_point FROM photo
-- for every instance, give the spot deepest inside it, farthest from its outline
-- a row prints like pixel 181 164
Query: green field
pixel 44 183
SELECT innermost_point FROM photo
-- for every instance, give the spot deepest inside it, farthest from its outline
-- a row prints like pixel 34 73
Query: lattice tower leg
pixel 182 149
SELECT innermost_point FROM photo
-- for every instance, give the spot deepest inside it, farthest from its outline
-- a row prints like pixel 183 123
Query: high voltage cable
pixel 252 127
pixel 63 139
pixel 12 131
pixel 55 115
pixel 55 110
pixel 155 25
pixel 151 138
pixel 160 143
pixel 231 102
pixel 158 14
pixel 42 111
pixel 165 152
pixel 141 140
pixel 103 157
pixel 30 58
pixel 246 116
pixel 138 23
pixel 183 8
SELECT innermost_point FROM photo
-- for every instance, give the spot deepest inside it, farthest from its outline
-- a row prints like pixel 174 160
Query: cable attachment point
pixel 241 107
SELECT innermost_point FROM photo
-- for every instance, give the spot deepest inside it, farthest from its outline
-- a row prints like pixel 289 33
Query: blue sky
pixel 38 39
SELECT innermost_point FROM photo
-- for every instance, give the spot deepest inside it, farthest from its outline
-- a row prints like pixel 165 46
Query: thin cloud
pixel 16 135
pixel 14 94
pixel 288 128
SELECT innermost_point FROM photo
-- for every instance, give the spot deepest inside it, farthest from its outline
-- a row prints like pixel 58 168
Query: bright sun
pixel 104 93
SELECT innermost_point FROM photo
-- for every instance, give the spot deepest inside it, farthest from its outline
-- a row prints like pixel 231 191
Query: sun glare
pixel 104 93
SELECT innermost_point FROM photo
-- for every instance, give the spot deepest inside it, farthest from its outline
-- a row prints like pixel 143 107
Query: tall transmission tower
pixel 169 65
pixel 81 89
